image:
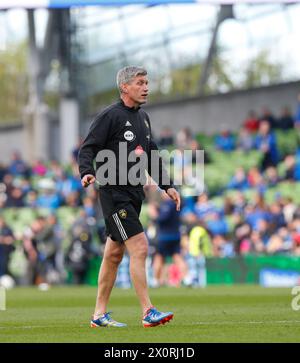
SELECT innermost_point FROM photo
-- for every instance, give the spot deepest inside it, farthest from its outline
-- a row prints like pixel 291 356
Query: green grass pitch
pixel 214 314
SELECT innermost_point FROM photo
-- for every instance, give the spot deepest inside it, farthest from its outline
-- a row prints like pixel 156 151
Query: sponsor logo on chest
pixel 129 136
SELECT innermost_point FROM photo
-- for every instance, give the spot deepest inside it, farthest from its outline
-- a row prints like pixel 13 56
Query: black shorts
pixel 121 210
pixel 168 248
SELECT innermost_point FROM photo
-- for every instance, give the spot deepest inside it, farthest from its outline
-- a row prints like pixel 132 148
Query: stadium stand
pixel 246 208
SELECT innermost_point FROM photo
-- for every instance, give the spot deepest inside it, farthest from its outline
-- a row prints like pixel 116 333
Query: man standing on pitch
pixel 124 123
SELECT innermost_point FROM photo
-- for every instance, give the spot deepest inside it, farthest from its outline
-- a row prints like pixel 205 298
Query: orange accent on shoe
pixel 162 322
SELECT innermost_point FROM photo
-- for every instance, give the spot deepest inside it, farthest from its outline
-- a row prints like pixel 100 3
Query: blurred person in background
pixel 239 180
pixel 54 256
pixel 286 120
pixel 66 184
pixel 30 249
pixel 289 168
pixel 271 177
pixel 42 243
pixel 15 199
pixel 241 235
pixel 80 250
pixel 297 113
pixel 199 247
pixel 48 196
pixel 18 167
pixel 168 236
pixel 265 142
pixel 244 140
pixel 251 123
pixel 31 199
pixel 166 137
pixel 3 171
pixel 267 115
pixel 39 168
pixel 184 138
pixel 225 141
pixel 7 241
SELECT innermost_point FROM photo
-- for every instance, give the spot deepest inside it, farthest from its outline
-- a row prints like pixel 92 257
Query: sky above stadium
pixel 282 39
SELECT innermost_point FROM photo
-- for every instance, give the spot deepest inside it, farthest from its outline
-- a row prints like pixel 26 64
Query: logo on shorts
pixel 123 213
pixel 129 136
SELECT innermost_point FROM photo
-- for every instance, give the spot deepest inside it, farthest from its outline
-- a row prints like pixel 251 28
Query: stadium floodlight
pixel 31 4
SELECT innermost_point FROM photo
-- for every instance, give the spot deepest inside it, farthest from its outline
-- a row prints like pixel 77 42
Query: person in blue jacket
pixel 167 219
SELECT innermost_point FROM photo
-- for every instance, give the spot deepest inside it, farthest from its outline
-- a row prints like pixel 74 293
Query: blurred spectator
pixel 31 199
pixel 239 203
pixel 256 180
pixel 6 246
pixel 18 166
pixel 39 168
pixel 257 244
pixel 255 214
pixel 198 249
pixel 217 225
pixel 277 219
pixel 222 247
pixel 297 114
pixel 166 137
pixel 241 235
pixel 203 206
pixel 15 198
pixel 245 140
pixel 286 120
pixel 251 123
pixel 297 166
pixel 267 115
pixel 31 252
pixel 280 242
pixel 271 177
pixel 42 244
pixel 289 165
pixel 239 180
pixel 76 149
pixel 265 141
pixel 65 184
pixel 184 138
pixel 48 197
pixel 3 171
pixel 80 250
pixel 225 141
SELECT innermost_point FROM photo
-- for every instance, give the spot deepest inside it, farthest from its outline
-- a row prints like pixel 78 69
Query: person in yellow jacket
pixel 199 247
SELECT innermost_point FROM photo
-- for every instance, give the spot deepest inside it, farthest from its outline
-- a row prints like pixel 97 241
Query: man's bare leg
pixel 137 247
pixel 113 254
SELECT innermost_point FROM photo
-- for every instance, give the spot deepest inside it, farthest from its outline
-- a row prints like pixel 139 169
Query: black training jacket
pixel 119 123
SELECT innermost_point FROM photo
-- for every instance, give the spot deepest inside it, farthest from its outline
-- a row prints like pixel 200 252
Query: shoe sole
pixel 93 325
pixel 167 319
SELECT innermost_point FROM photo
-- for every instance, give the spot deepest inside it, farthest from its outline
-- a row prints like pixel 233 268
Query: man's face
pixel 137 89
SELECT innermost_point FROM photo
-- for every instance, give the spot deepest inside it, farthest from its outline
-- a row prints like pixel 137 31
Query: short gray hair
pixel 127 74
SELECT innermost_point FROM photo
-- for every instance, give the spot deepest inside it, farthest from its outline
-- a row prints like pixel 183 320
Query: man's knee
pixel 114 257
pixel 139 247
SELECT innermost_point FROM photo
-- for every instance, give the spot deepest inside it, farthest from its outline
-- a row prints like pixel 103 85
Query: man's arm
pixel 93 143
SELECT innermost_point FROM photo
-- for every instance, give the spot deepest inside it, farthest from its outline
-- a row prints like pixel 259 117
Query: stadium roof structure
pixel 31 4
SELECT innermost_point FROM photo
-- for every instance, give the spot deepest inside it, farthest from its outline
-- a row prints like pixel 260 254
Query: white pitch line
pixel 246 322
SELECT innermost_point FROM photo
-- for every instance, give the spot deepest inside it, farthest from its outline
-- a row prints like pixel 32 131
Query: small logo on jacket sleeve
pixel 122 213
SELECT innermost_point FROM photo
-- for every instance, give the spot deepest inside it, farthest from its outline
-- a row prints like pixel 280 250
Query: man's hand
pixel 87 180
pixel 173 194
